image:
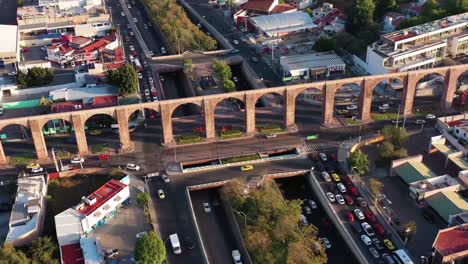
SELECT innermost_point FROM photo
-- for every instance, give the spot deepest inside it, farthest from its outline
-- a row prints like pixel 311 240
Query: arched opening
pixel 102 134
pixel 347 102
pixel 188 122
pixel 461 94
pixel 17 144
pixel 386 98
pixel 59 137
pixel 229 115
pixel 269 113
pixel 427 96
pixel 147 123
pixel 309 107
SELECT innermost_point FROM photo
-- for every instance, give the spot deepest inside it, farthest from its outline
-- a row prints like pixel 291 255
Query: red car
pixel 370 216
pixel 350 216
pixel 348 199
pixel 151 116
pixel 379 229
pixel 333 157
pixel 348 181
pixel 103 157
pixel 353 190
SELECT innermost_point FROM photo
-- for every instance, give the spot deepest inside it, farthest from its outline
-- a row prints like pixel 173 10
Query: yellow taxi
pixel 247 167
pixel 95 132
pixel 389 244
pixel 336 177
pixel 33 166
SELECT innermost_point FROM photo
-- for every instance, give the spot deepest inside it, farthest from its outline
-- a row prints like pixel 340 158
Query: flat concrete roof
pixel 311 60
pixel 9 41
pixel 414 171
pixel 447 203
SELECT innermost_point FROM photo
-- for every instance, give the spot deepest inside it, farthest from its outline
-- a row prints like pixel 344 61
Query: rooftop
pixel 447 204
pixel 291 21
pixel 414 171
pixel 281 8
pixel 68 226
pixel 311 61
pixel 258 5
pixel 72 254
pixel 90 250
pixel 452 240
pixel 84 94
pixel 101 196
pixel 10 40
pixel 460 161
pixel 435 183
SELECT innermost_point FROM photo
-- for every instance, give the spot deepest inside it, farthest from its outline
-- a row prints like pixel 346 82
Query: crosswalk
pixel 322 146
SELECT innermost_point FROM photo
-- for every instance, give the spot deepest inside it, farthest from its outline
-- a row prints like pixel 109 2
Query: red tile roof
pixel 103 101
pixel 452 240
pixel 102 195
pixel 62 107
pixel 258 5
pixel 72 254
pixel 281 8
pixel 94 46
pixel 401 37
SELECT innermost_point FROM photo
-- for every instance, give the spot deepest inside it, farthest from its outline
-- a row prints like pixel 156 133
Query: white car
pixel 340 199
pixel 151 52
pixel 341 187
pixel 165 178
pixel 161 194
pixel 76 160
pixel 351 107
pixel 131 58
pixel 384 107
pixel 366 240
pixel 420 122
pixel 37 170
pixel 150 79
pixel 135 19
pixel 331 197
pixel 235 41
pixel 122 13
pixel 199 25
pixel 141 234
pixel 307 210
pixel 323 157
pixel 235 79
pixel 13 73
pixel 304 221
pixel 147 92
pixel 326 176
pixel 133 167
pixel 430 116
pixel 132 48
pixel 140 76
pixel 312 204
pixel 367 229
pixel 206 207
pixel 129 6
pixel 326 242
pixel 359 214
pixel 163 50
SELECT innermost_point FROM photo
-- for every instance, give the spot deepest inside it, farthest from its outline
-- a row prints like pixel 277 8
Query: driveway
pixel 120 232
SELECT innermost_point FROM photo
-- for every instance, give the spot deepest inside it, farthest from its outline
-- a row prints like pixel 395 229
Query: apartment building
pixel 419 47
pixel 9 46
pixel 450 246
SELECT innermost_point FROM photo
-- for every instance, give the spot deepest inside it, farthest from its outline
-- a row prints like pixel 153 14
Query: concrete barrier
pixel 197 229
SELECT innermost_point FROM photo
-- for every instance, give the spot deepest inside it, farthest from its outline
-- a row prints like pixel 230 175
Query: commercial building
pixel 282 24
pixel 453 129
pixel 67 4
pixel 419 47
pixel 9 46
pixel 450 246
pixel 27 215
pixel 74 224
pixel 254 8
pixel 424 189
pixel 448 204
pixel 320 65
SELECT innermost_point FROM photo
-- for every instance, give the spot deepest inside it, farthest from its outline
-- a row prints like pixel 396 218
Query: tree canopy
pixel 375 186
pixel 44 251
pixel 10 255
pixel 125 78
pixel 325 44
pixel 36 76
pixel 223 71
pixel 143 199
pixel 150 249
pixel 362 15
pixel 359 162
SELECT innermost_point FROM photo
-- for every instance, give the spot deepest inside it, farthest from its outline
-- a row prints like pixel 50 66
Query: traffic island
pixel 189 139
pixel 230 134
pixel 270 129
pixel 22 159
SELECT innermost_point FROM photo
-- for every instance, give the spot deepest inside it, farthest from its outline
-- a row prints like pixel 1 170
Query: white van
pixel 175 244
pixel 236 256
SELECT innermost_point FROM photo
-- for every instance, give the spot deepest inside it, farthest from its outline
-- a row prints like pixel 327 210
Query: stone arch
pixel 23 131
pixel 104 111
pixel 437 71
pixel 150 106
pixel 234 109
pixel 302 88
pixel 268 114
pixel 276 93
pixel 192 115
pixel 309 104
pixel 216 100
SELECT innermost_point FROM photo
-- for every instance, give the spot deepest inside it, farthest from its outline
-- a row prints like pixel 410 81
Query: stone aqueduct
pixel 208 104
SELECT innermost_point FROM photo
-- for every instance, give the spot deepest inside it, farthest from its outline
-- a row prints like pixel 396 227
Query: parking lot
pixel 120 232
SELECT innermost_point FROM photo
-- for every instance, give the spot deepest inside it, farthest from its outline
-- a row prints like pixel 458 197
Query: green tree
pixel 362 15
pixel 384 6
pixel 125 78
pixel 143 199
pixel 20 2
pixel 375 186
pixel 46 103
pixel 359 162
pixel 188 67
pixel 37 76
pixel 395 135
pixel 410 230
pixel 229 86
pixel 20 79
pixel 44 251
pixel 150 249
pixel 223 71
pixel 9 255
pixel 325 44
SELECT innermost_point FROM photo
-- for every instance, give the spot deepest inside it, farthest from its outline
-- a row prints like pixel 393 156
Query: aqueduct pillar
pixel 208 110
pixel 409 91
pixel 450 87
pixel 328 104
pixel 38 139
pixel 126 143
pixel 289 108
pixel 366 100
pixel 3 159
pixel 166 123
pixel 80 135
pixel 250 101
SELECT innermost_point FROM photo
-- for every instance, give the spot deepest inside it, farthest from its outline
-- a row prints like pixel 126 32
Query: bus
pixel 402 257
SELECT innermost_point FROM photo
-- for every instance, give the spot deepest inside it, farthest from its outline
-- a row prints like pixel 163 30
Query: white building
pixel 419 47
pixel 27 216
pixel 66 4
pixel 9 46
pixel 74 224
pixel 425 188
pixel 461 131
pixel 283 23
pixel 317 65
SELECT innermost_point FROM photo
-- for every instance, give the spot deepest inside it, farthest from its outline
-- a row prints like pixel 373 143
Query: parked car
pixel 353 190
pixel 388 258
pixel 430 116
pixel 384 107
pixel 389 244
pixel 361 202
pixel 312 204
pixel 133 167
pixel 110 253
pixel 206 207
pixel 323 157
pixel 307 210
pixel 339 199
pixel 326 242
pixel 348 199
pixel 341 187
pixel 349 216
pixel 247 167
pixel 331 197
pixel 140 76
pixel 141 234
pixel 132 48
pixel 374 252
pixel 135 19
pixel 366 240
pixel 236 42
pixel 359 214
pixel 347 181
pixel 379 229
pixel 367 229
pixel 37 170
pixel 370 216
pixel 326 176
pixel 420 122
pixel 377 243
pixel 335 177
pixel 351 107
pixel 77 160
pixel 236 256
pixel 161 194
pixel 122 13
pixel 165 178
pixel 163 50
pixel 304 221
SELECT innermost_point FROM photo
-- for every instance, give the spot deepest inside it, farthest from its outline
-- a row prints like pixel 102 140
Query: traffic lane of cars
pixel 347 210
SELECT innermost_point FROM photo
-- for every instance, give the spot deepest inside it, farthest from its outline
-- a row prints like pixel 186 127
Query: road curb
pixel 197 229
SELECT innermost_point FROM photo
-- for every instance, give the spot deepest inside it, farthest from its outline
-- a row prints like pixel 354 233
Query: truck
pixel 236 256
pixel 175 244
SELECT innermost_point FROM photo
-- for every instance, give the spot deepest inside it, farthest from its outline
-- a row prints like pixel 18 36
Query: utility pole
pixel 398 115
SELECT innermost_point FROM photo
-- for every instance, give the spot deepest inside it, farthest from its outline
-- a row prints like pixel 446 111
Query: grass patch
pixel 231 133
pixel 189 139
pixel 64 193
pixel 351 121
pixel 100 148
pixel 64 154
pixel 22 159
pixel 270 129
pixel 385 116
pixel 240 158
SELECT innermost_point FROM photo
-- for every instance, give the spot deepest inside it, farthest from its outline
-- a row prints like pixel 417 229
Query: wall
pixel 463 176
pixel 398 162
